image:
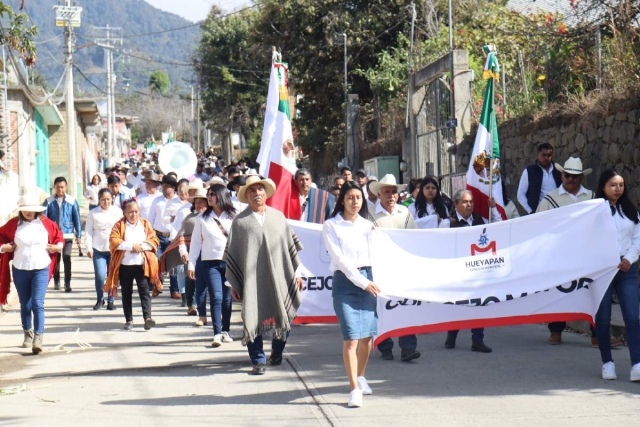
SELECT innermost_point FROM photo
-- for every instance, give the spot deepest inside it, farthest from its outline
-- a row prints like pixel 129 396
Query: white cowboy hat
pixel 196 184
pixel 30 203
pixel 389 180
pixel 201 193
pixel 573 166
pixel 269 187
pixel 134 169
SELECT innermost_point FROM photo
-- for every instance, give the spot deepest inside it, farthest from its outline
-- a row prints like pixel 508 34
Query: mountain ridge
pixel 139 55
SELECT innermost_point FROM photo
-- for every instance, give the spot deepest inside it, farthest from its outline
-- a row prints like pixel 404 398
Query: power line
pixel 88 79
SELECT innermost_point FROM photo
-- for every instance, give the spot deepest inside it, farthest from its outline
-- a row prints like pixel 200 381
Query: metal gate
pixel 433 139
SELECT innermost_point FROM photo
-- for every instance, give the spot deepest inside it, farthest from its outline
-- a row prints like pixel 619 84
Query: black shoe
pixel 184 300
pixel 258 369
pixel 409 355
pixel 450 342
pixel 481 347
pixel 56 286
pixel 99 304
pixel 110 305
pixel 386 355
pixel 149 323
pixel 67 288
pixel 128 326
pixel 275 359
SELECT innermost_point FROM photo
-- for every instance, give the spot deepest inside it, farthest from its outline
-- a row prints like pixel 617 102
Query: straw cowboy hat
pixel 216 180
pixel 201 193
pixel 152 177
pixel 388 180
pixel 573 166
pixel 30 203
pixel 269 187
pixel 196 184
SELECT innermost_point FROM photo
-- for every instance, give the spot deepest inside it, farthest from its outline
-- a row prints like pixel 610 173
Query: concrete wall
pixel 610 139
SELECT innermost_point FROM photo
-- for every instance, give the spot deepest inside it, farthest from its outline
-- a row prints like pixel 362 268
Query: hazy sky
pixel 196 10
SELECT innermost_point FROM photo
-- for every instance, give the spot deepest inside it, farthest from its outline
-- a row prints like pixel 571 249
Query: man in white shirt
pixel 162 209
pixel 135 180
pixel 571 191
pixel 538 179
pixel 151 185
pixel 389 214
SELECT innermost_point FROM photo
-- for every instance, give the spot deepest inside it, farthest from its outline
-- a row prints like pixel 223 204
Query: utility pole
pixel 69 17
pixel 346 104
pixel 108 44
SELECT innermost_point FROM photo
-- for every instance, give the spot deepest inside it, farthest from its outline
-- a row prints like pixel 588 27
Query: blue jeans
pixel 256 352
pixel 213 278
pixel 173 280
pixel 626 286
pixel 32 287
pixel 100 264
pixel 180 277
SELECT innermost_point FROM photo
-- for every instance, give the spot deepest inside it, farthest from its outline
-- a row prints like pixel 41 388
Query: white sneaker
pixel 217 340
pixel 635 372
pixel 609 371
pixel 364 386
pixel 226 337
pixel 355 398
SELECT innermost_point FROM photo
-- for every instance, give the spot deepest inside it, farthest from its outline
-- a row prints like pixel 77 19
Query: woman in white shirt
pixel 429 203
pixel 611 187
pixel 346 237
pixel 99 223
pixel 93 190
pixel 208 241
pixel 32 241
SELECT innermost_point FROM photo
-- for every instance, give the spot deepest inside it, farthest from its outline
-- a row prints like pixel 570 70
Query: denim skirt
pixel 354 307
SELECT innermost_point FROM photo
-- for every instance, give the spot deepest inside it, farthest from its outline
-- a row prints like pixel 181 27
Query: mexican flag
pixel 277 152
pixel 485 158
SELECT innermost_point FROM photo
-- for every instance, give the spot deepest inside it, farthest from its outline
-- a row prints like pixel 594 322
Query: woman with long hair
pixel 611 187
pixel 430 202
pixel 97 229
pixel 346 236
pixel 32 241
pixel 206 265
pixel 92 191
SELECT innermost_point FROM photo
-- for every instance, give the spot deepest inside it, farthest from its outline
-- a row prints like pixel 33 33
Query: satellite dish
pixel 179 158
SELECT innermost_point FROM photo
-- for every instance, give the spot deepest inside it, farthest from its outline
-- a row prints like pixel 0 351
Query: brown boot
pixel 192 311
pixel 202 321
pixel 615 342
pixel 37 344
pixel 555 338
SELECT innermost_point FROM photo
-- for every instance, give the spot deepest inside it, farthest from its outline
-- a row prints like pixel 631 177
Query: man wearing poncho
pixel 262 259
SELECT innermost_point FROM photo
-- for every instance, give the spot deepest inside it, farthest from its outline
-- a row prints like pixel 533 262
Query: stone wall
pixel 610 139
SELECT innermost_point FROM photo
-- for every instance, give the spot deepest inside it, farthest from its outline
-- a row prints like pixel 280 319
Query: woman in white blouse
pixel 346 236
pixel 611 187
pixel 99 223
pixel 92 191
pixel 32 241
pixel 208 241
pixel 429 210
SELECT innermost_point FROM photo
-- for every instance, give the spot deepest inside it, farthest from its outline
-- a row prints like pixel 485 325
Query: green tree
pixel 16 34
pixel 233 72
pixel 159 82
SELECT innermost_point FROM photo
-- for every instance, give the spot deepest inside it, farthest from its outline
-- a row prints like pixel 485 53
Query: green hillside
pixel 163 51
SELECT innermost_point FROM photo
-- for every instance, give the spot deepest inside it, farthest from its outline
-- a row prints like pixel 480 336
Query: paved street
pixel 170 376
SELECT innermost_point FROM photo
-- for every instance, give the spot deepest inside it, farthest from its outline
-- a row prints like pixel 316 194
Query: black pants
pixel 127 274
pixel 66 260
pixel 189 290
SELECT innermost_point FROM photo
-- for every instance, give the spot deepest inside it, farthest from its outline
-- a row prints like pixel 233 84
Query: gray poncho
pixel 261 264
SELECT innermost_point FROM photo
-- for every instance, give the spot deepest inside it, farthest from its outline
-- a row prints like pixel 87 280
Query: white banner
pixel 551 266
pixel 317 303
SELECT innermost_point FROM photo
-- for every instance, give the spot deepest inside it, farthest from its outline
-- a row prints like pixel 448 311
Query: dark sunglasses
pixel 569 176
